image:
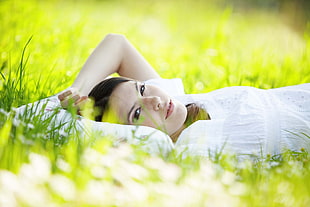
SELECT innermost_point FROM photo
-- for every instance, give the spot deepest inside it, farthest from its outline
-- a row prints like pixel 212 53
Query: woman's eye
pixel 136 115
pixel 142 89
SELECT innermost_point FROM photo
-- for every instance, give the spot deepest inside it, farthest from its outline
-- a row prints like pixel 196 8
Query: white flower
pixel 7 199
pixel 63 165
pixel 170 172
pixel 63 187
pixel 9 181
pixel 38 170
pixel 97 192
pixel 98 171
pixel 228 178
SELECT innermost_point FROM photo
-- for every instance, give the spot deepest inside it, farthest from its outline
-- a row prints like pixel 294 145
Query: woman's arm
pixel 114 54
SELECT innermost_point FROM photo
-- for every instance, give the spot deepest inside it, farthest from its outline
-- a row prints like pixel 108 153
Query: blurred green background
pixel 209 44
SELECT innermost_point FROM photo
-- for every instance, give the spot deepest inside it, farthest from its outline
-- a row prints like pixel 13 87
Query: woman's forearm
pixel 113 55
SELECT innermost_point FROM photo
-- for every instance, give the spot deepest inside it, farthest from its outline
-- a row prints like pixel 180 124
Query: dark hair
pixel 194 113
pixel 101 94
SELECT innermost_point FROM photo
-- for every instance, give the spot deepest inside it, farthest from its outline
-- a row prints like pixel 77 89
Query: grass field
pixel 44 45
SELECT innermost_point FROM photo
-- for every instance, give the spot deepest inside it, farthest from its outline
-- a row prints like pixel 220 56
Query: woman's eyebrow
pixel 128 116
pixel 136 84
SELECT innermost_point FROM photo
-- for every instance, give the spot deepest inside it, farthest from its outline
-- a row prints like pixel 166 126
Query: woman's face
pixel 147 105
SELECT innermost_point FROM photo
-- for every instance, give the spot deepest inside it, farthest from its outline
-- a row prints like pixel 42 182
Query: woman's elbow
pixel 115 37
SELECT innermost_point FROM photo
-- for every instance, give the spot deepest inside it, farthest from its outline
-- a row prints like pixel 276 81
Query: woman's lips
pixel 170 109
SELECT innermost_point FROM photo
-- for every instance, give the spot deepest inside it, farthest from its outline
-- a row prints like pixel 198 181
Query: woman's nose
pixel 153 102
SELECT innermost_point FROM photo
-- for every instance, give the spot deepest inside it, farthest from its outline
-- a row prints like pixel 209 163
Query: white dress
pixel 249 121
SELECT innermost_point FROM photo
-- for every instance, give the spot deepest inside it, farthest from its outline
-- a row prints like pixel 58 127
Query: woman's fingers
pixel 69 97
pixel 68 102
pixel 63 95
pixel 81 100
pixel 72 99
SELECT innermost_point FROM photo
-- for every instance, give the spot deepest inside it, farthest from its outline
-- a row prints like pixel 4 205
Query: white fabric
pixel 249 121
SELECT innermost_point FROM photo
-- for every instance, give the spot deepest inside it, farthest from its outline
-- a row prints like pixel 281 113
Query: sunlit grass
pixel 208 46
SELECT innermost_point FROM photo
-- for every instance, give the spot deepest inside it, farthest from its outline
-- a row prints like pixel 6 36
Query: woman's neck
pixel 174 137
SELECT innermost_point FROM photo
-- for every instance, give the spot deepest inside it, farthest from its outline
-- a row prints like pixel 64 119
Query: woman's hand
pixel 71 98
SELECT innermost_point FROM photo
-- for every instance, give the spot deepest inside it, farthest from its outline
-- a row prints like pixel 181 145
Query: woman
pixel 242 120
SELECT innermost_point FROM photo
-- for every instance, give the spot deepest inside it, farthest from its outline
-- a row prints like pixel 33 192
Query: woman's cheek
pixel 153 121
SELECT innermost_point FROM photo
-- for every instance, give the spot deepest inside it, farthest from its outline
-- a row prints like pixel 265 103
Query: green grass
pixel 45 43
